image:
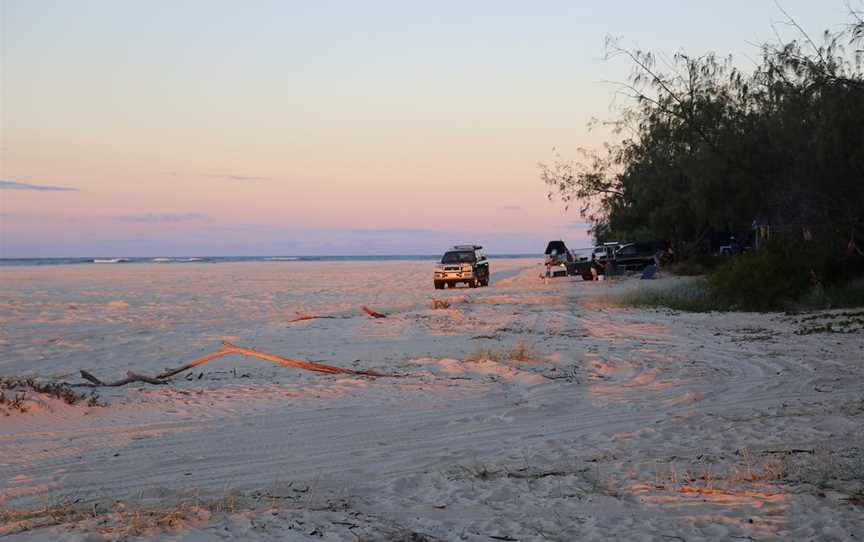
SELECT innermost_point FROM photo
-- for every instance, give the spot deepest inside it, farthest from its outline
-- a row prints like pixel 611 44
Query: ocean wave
pixel 176 260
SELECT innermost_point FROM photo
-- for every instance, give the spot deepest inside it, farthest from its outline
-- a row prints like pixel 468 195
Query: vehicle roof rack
pixel 467 247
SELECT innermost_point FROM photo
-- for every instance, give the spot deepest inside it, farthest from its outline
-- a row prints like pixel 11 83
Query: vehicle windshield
pixel 458 257
pixel 627 250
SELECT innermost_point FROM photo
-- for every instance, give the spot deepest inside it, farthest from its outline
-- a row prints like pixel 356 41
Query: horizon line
pixel 258 256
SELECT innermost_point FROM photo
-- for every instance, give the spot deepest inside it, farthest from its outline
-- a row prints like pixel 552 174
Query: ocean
pixel 103 260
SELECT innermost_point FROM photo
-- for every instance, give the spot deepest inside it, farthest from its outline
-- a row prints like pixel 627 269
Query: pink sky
pixel 221 128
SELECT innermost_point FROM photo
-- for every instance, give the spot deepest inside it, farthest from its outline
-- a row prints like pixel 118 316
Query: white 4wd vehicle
pixel 462 263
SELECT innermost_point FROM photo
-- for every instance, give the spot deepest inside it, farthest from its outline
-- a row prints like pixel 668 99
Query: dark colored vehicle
pixel 637 256
pixel 623 257
pixel 463 263
pixel 559 261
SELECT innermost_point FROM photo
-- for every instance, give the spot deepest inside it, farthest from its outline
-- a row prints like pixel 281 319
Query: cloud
pixel 156 218
pixel 509 208
pixel 232 177
pixel 12 185
pixel 392 231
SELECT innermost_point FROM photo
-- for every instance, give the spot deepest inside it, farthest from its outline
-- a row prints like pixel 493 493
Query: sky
pixel 216 127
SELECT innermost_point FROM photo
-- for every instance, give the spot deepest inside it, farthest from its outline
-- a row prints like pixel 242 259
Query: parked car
pixel 639 255
pixel 622 257
pixel 559 261
pixel 595 257
pixel 606 250
pixel 463 263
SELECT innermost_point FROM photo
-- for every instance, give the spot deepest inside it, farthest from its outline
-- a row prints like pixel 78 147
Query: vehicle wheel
pixel 439 285
pixel 473 283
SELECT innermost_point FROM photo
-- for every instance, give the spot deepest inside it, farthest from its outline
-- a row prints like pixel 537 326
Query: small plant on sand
pixel 856 498
pixel 13 521
pixel 440 303
pixel 523 351
pixel 120 519
pixel 18 402
pixel 483 354
pixel 749 474
pixel 20 387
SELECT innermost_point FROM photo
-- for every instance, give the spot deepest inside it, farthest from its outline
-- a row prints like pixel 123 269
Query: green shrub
pixel 779 276
pixel 699 296
pixel 696 265
pixel 834 297
pixel 770 278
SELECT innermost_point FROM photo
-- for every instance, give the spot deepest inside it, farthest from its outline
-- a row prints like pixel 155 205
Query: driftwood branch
pixel 373 314
pixel 302 317
pixel 144 378
pixel 194 363
pixel 297 364
pixel 227 349
pixel 90 378
pixel 130 378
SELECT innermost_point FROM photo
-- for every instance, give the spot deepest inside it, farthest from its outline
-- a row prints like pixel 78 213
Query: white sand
pixel 619 424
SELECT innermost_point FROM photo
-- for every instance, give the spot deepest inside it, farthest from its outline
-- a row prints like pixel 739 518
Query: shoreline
pixel 175 260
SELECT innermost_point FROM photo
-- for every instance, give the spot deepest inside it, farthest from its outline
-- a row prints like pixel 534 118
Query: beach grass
pixel 689 295
pixel 120 519
pixel 16 393
pixel 521 351
pixel 697 295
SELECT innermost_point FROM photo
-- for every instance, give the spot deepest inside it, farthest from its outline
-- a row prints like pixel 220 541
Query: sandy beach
pixel 523 411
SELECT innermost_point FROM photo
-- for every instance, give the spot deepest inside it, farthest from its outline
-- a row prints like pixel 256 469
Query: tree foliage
pixel 708 147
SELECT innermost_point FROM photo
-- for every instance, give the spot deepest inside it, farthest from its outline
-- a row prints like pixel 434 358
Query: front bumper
pixel 454 275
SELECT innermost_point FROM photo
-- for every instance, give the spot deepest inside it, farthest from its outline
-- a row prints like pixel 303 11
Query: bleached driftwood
pixel 297 364
pixel 194 363
pixel 227 349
